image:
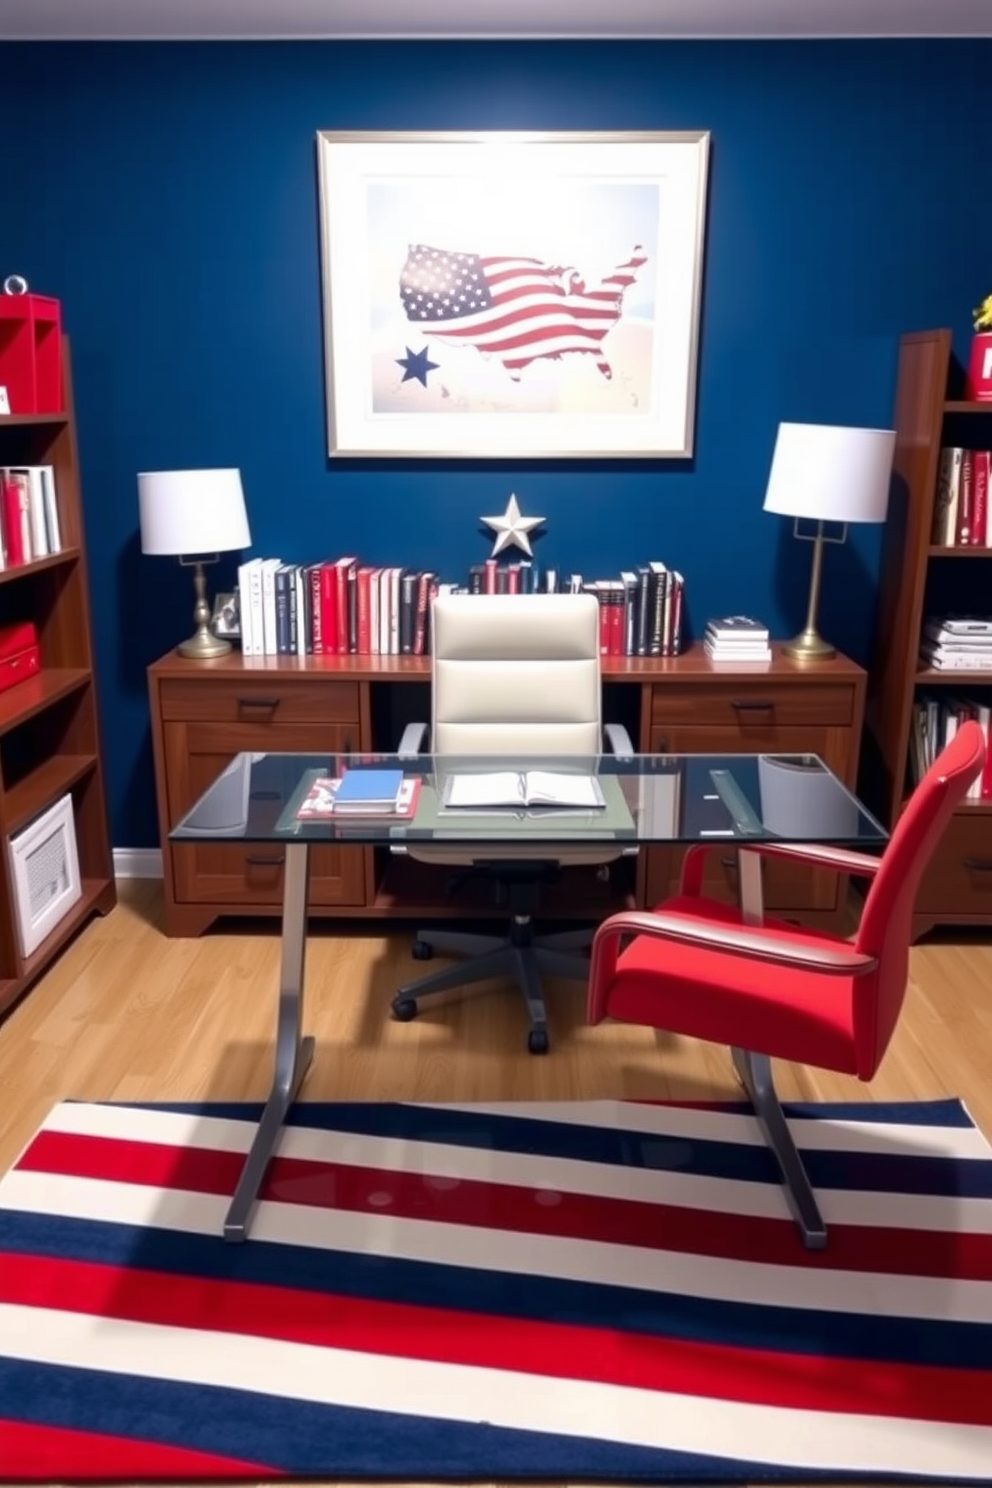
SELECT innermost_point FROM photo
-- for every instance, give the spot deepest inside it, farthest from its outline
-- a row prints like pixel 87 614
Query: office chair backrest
pixel 886 920
pixel 516 674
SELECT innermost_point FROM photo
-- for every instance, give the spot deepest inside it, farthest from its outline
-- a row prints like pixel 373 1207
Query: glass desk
pixel 737 800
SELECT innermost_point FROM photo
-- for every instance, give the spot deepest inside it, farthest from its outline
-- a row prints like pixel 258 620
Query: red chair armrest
pixel 762 945
pixel 820 855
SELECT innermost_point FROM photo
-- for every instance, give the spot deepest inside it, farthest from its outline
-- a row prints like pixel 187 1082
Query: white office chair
pixel 516 675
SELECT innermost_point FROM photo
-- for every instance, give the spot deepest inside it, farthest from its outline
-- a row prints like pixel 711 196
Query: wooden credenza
pixel 203 713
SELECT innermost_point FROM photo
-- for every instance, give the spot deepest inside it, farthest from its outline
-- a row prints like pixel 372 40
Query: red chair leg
pixel 755 1074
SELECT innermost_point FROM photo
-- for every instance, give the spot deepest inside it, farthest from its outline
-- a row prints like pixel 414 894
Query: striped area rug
pixel 589 1291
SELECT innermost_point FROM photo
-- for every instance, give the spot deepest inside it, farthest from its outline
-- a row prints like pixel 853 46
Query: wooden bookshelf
pixel 957 888
pixel 49 728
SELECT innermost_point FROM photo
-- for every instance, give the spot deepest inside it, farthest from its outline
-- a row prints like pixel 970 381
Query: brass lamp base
pixel 202 645
pixel 808 645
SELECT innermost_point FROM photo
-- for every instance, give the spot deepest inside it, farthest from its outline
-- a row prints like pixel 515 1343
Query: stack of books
pixel 737 638
pixel 957 643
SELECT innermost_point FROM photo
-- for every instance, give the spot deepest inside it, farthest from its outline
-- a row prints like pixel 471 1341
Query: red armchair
pixel 777 991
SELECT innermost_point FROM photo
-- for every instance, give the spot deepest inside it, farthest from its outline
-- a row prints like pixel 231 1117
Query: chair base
pixel 755 1073
pixel 521 955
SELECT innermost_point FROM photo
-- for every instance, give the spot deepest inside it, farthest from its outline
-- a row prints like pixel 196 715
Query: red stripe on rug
pixel 36 1454
pixel 501 1206
pixel 560 1351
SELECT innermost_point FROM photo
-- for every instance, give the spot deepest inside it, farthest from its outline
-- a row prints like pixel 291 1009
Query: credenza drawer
pixel 230 700
pixel 754 705
pixel 958 879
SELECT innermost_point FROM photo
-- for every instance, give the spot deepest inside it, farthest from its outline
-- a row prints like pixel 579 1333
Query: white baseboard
pixel 137 862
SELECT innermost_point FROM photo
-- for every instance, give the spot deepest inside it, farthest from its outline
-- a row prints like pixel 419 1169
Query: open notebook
pixel 521 789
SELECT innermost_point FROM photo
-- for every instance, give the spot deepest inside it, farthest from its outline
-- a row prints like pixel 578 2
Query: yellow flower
pixel 983 315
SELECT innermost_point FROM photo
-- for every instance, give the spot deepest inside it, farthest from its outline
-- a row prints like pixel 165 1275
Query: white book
pixel 521 789
pixel 50 499
pixel 301 583
pixel 36 512
pixel 257 615
pixel 395 576
pixel 737 627
pixel 244 607
pixel 270 645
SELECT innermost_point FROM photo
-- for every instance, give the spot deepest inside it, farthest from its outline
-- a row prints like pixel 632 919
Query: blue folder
pixel 368 788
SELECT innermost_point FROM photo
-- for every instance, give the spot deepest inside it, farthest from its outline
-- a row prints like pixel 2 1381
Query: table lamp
pixel 194 515
pixel 828 474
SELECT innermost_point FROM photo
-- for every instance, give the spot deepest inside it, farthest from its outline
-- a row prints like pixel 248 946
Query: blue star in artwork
pixel 415 364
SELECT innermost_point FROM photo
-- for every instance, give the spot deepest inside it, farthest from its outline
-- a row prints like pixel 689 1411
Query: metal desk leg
pixel 293 1053
pixel 755 1073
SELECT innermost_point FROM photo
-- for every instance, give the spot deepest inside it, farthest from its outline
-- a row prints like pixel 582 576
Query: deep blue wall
pixel 167 194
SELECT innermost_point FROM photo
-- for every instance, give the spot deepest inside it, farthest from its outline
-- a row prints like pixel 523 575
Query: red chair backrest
pixel 886 921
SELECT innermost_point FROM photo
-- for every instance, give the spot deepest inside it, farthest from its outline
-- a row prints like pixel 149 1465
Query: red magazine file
pixel 31 353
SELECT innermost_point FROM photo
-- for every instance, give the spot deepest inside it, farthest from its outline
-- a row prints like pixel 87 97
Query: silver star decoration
pixel 512 528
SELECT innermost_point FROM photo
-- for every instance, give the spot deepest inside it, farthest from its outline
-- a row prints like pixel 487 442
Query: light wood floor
pixel 127 1014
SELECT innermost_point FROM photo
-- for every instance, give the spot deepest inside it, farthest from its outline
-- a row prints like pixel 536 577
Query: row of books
pixel 935 722
pixel 961 643
pixel 962 513
pixel 344 607
pixel 29 514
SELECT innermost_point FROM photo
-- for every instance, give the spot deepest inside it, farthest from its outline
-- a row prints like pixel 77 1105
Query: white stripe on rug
pixel 596 1263
pixel 524 1170
pixel 804 1439
pixel 819 1134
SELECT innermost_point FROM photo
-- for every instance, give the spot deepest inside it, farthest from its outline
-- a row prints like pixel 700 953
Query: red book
pixel 341 571
pixel 980 499
pixel 966 500
pixel 15 518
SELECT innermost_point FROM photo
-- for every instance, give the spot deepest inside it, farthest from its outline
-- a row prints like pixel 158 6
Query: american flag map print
pixel 594 1291
pixel 517 310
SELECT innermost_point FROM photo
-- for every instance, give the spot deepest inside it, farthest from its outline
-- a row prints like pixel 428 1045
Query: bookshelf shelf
pixel 941 551
pixel 65 559
pixel 50 744
pixel 959 677
pixel 913 576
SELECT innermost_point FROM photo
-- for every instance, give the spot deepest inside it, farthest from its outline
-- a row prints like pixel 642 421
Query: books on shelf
pixel 521 789
pixel 962 511
pixel 29 516
pixel 934 724
pixel 343 798
pixel 737 638
pixel 957 643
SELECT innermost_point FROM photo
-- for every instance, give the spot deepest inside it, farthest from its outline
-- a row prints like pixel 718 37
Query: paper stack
pixel 957 643
pixel 737 638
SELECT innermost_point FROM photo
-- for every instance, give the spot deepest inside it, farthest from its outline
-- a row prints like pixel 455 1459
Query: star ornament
pixel 511 528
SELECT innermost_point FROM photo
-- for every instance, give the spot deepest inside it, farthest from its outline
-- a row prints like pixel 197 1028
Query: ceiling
pixel 486 19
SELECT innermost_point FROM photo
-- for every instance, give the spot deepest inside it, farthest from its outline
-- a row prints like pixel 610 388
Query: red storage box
pixel 20 655
pixel 31 353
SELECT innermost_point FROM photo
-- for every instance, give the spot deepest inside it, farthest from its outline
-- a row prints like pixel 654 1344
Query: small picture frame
pixel 44 865
pixel 226 618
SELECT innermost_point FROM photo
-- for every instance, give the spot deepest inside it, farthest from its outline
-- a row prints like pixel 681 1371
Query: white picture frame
pixel 514 295
pixel 44 867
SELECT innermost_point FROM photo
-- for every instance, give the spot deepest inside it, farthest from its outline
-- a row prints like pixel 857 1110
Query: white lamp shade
pixel 184 512
pixel 831 474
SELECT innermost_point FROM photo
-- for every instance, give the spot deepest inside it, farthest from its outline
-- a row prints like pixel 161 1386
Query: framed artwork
pixel 512 295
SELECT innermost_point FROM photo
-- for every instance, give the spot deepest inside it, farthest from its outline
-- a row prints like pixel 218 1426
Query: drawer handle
pixel 752 705
pixel 980 865
pixel 258 860
pixel 730 864
pixel 269 704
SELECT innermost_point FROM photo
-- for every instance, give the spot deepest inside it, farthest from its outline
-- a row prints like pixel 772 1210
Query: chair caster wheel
pixel 421 951
pixel 404 1009
pixel 537 1041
